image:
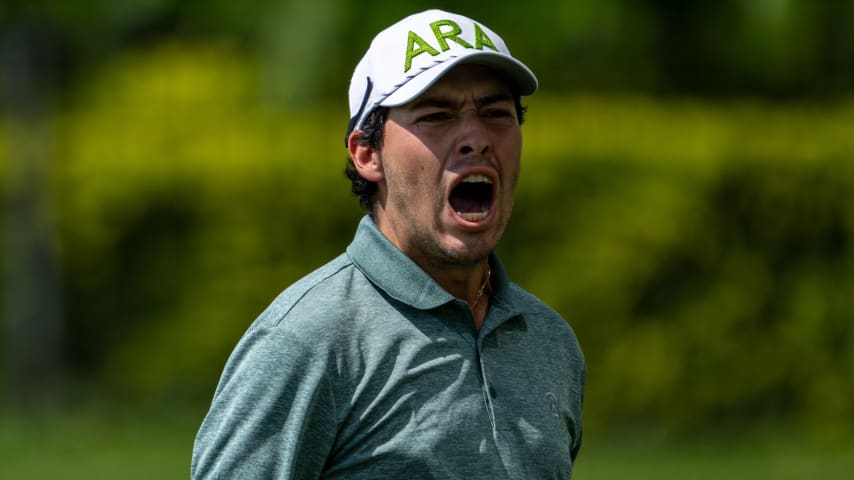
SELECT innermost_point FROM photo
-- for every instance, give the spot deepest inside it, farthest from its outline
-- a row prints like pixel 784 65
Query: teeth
pixel 476 216
pixel 477 178
pixel 473 217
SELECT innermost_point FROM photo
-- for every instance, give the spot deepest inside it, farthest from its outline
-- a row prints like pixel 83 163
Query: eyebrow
pixel 439 102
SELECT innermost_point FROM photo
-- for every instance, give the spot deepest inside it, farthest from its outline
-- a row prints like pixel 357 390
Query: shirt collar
pixel 401 278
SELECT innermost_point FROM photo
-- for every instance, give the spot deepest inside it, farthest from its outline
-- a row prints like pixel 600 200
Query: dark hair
pixel 371 135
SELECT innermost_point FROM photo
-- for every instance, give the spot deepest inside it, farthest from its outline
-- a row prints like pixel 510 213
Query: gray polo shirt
pixel 368 369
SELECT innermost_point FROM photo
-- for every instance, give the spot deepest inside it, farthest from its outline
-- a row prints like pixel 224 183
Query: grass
pixel 111 443
pixel 94 443
pixel 776 453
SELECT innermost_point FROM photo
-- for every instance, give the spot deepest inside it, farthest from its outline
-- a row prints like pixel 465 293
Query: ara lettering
pixel 445 31
pixel 481 40
pixel 452 34
pixel 412 51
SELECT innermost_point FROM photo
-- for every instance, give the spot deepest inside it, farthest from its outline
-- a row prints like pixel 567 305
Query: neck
pixel 470 283
pixel 481 301
pixel 463 282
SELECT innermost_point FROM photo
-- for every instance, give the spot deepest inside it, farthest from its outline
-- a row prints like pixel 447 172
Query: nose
pixel 474 137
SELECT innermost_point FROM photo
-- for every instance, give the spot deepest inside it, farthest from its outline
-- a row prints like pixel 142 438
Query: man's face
pixel 450 163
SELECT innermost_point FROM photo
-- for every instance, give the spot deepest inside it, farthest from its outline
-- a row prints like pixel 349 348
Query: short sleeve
pixel 273 415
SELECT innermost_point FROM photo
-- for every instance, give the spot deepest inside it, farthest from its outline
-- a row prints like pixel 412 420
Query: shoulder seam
pixel 314 285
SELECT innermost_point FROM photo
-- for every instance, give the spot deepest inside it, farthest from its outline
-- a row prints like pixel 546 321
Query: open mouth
pixel 472 198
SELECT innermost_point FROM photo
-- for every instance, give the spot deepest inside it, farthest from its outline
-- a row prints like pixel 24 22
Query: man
pixel 411 355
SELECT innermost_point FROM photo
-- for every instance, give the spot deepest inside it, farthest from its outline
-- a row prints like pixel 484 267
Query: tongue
pixel 466 205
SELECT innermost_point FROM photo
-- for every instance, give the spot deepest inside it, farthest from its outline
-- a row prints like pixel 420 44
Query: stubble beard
pixel 424 243
pixel 467 253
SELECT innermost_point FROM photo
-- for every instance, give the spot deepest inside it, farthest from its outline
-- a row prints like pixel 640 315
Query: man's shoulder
pixel 530 304
pixel 541 313
pixel 318 294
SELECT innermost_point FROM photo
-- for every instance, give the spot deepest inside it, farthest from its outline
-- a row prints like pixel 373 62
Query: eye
pixel 498 113
pixel 433 117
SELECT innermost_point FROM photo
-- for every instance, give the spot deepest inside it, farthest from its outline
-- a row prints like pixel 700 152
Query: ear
pixel 366 159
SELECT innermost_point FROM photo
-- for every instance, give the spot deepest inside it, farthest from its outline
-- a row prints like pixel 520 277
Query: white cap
pixel 408 57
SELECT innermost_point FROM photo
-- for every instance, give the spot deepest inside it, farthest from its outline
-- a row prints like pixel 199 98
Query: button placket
pixel 487 389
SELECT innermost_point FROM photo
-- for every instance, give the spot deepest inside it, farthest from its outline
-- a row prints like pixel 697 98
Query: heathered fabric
pixel 368 369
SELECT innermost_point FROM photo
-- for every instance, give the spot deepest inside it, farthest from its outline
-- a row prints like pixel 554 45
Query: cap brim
pixel 524 80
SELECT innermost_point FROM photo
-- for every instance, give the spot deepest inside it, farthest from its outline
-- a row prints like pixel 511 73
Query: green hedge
pixel 702 251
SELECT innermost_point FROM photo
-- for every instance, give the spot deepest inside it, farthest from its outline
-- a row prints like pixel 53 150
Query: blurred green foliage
pixel 775 48
pixel 701 251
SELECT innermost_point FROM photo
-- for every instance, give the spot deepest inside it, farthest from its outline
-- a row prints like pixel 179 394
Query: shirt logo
pixel 444 31
pixel 552 404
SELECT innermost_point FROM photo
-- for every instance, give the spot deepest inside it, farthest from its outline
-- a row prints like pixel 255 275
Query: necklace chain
pixel 482 287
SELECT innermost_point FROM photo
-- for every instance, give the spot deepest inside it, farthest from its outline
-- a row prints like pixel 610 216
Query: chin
pixel 468 252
